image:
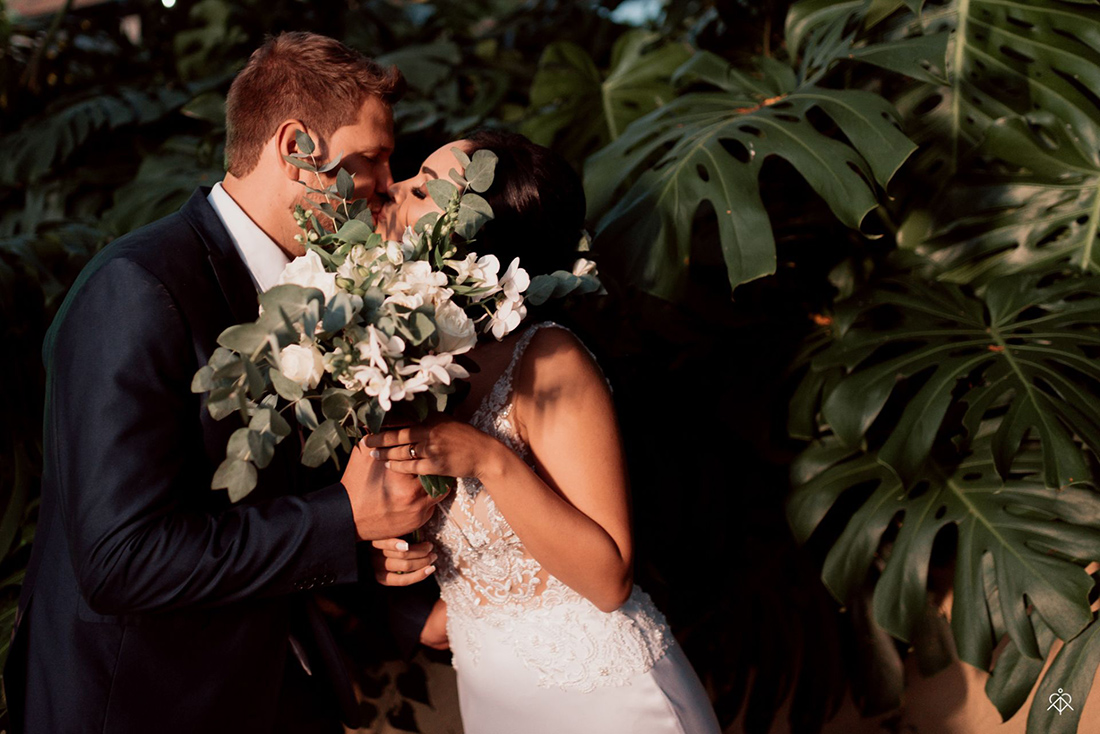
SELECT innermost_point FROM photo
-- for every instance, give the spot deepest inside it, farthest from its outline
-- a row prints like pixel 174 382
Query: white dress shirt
pixel 265 259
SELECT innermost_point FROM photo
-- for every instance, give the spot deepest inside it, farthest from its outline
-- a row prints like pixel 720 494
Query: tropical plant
pixel 963 414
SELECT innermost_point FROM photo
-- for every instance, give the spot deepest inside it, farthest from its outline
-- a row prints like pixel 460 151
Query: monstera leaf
pixel 569 94
pixel 1021 548
pixel 1045 218
pixel 824 31
pixel 1024 351
pixel 709 146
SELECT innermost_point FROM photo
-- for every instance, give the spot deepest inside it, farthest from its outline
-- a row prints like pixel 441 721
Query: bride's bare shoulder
pixel 555 360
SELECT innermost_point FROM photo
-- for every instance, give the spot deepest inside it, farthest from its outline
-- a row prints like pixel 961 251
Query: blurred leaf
pixel 578 109
pixel 46 144
pixel 208 107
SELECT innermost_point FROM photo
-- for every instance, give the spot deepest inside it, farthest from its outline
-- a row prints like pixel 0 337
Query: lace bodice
pixel 488 579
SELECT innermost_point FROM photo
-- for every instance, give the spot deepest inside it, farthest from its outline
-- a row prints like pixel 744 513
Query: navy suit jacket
pixel 151 603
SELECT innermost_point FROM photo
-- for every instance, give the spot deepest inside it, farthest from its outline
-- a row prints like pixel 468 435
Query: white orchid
pixel 438 368
pixel 514 281
pixel 507 317
pixel 378 347
pixel 481 269
pixel 386 388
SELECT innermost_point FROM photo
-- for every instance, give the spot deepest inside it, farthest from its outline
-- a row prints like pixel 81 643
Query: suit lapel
pixel 233 277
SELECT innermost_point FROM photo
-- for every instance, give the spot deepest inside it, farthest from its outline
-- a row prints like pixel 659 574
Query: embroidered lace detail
pixel 490 582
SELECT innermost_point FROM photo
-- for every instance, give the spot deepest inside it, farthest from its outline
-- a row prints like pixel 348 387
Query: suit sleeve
pixel 121 417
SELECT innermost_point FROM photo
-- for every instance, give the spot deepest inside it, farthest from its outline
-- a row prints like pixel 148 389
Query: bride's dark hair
pixel 538 204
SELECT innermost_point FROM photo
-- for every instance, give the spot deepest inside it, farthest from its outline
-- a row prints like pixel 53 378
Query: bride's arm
pixel 572 515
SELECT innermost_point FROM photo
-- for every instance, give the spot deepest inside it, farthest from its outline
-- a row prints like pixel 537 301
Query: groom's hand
pixel 385 504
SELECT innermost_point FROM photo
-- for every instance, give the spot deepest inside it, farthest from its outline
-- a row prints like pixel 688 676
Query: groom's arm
pixel 119 405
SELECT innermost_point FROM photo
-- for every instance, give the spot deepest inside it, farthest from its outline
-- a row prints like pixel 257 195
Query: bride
pixel 548 631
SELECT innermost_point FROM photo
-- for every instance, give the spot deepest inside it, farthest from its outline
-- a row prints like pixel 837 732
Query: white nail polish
pixel 374 454
pixel 429 570
pixel 402 545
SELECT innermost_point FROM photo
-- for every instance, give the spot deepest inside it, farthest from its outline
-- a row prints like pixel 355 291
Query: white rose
pixel 457 333
pixel 309 272
pixel 303 364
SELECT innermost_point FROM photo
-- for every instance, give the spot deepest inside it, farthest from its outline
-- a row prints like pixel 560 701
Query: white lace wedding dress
pixel 531 654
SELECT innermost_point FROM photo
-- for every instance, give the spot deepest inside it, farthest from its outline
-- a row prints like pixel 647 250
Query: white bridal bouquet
pixel 359 327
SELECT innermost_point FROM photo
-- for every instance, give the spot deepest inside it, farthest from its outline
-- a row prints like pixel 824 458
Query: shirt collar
pixel 264 259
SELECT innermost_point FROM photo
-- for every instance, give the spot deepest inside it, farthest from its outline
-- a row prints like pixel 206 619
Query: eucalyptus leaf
pixel 304 142
pixel 336 405
pixel 203 381
pixel 286 387
pixel 245 339
pixel 321 444
pixel 473 213
pixel 303 413
pixel 480 170
pixel 345 184
pixel 239 477
pixel 442 192
pixel 338 313
pixel 262 447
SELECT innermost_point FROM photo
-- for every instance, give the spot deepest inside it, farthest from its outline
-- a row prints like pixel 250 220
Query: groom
pixel 150 602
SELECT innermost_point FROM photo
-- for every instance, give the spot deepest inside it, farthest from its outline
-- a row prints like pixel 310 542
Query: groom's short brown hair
pixel 300 76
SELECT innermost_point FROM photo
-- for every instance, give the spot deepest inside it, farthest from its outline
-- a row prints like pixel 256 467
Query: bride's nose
pixel 395 191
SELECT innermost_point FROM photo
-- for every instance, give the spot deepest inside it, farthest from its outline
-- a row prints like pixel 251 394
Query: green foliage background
pixel 853 316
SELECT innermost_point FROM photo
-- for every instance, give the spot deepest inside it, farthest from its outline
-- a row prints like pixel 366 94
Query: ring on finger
pixel 412 451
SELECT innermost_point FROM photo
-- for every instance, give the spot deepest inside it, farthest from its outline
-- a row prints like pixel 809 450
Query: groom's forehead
pixel 376 120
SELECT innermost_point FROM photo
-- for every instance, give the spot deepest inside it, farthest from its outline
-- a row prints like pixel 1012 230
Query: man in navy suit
pixel 151 603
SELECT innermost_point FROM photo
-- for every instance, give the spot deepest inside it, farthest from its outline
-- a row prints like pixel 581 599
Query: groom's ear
pixel 288 137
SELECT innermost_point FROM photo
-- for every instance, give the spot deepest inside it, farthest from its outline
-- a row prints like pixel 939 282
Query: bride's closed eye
pixel 419 193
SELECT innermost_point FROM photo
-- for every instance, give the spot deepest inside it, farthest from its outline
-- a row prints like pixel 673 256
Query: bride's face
pixel 410 197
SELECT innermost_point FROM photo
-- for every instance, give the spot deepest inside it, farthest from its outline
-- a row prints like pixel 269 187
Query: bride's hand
pixel 396 567
pixel 442 446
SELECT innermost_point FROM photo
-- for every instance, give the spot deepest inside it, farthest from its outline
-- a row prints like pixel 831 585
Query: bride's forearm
pixel 566 542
